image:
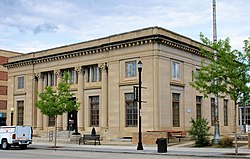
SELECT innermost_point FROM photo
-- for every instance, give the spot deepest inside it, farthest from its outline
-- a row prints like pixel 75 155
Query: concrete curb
pixel 195 152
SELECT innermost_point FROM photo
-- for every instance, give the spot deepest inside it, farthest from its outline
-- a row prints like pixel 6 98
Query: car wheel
pixel 5 145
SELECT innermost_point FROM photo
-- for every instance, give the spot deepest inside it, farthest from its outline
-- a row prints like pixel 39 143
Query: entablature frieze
pixel 158 38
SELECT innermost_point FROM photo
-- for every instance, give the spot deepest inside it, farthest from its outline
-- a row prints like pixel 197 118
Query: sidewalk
pixel 176 150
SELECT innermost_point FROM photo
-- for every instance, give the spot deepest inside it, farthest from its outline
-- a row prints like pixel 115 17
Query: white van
pixel 15 136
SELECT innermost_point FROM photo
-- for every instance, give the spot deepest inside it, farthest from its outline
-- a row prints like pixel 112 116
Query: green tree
pixel 228 67
pixel 199 132
pixel 54 104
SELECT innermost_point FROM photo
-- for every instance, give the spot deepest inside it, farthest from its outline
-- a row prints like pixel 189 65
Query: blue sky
pixel 34 25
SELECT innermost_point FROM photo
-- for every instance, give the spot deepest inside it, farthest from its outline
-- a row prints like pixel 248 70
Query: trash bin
pixel 161 145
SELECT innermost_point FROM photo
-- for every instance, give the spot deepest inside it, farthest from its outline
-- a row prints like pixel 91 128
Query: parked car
pixel 15 136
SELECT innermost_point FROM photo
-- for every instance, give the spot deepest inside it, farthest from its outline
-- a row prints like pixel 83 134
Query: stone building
pixel 103 73
pixel 3 84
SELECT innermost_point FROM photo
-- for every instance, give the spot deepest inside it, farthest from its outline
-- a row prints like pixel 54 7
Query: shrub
pixel 200 132
pixel 225 141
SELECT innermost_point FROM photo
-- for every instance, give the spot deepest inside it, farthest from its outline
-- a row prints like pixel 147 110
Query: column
pixel 39 114
pixel 59 117
pixel 104 106
pixel 47 78
pixel 34 99
pixel 80 75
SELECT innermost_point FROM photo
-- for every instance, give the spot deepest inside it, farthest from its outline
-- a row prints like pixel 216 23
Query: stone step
pixel 60 134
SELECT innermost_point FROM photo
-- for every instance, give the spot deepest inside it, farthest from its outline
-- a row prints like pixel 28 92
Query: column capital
pixel 103 66
pixel 80 70
pixel 39 75
pixel 57 72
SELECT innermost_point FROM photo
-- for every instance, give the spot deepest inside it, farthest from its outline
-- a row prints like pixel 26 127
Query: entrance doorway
pixel 72 119
pixel 71 124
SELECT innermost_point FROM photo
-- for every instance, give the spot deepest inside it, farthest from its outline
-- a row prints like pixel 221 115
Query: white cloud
pixel 61 22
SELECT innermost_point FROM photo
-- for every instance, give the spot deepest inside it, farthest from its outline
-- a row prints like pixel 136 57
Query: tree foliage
pixel 199 132
pixel 228 67
pixel 54 104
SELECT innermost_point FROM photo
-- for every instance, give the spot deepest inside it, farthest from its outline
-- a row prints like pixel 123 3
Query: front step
pixel 62 137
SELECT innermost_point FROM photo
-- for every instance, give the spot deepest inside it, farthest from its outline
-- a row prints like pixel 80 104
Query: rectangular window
pixel 130 69
pixel 94 111
pixel 212 111
pixel 20 82
pixel 52 121
pixel 198 107
pixel 176 109
pixel 49 78
pixel 95 73
pixel 197 72
pixel 72 75
pixel 46 79
pixel 88 74
pixel 131 110
pixel 20 112
pixel 52 78
pixel 175 70
pixel 225 112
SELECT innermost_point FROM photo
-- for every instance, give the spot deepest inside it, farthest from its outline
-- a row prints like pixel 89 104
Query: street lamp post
pixel 140 147
pixel 11 116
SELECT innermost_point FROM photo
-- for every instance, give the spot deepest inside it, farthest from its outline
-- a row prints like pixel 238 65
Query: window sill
pixel 177 83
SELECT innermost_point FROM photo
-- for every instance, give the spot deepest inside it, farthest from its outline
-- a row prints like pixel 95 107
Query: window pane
pixel 72 75
pixel 198 107
pixel 52 121
pixel 94 111
pixel 45 75
pixel 94 74
pixel 52 80
pixel 197 72
pixel 175 108
pixel 225 112
pixel 20 84
pixel 131 110
pixel 130 69
pixel 88 74
pixel 20 112
pixel 175 70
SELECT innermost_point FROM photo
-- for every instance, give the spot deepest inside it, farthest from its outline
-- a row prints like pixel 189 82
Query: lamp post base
pixel 139 146
pixel 215 141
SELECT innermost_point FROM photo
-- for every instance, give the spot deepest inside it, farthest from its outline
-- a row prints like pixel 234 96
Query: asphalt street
pixel 31 153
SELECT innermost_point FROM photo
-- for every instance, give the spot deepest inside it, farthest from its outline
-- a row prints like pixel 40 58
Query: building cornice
pixel 144 40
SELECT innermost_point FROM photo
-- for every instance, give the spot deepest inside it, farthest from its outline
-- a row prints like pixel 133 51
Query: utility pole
pixel 216 120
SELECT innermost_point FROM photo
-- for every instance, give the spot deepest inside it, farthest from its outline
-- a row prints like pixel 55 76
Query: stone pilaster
pixel 39 120
pixel 104 106
pixel 80 75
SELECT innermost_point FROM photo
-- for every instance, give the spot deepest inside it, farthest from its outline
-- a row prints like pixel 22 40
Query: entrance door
pixel 71 121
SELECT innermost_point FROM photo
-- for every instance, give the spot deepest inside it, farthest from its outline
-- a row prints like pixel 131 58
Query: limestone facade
pixel 103 73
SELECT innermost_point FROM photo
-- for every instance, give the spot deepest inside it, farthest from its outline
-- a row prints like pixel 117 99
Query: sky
pixel 34 25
